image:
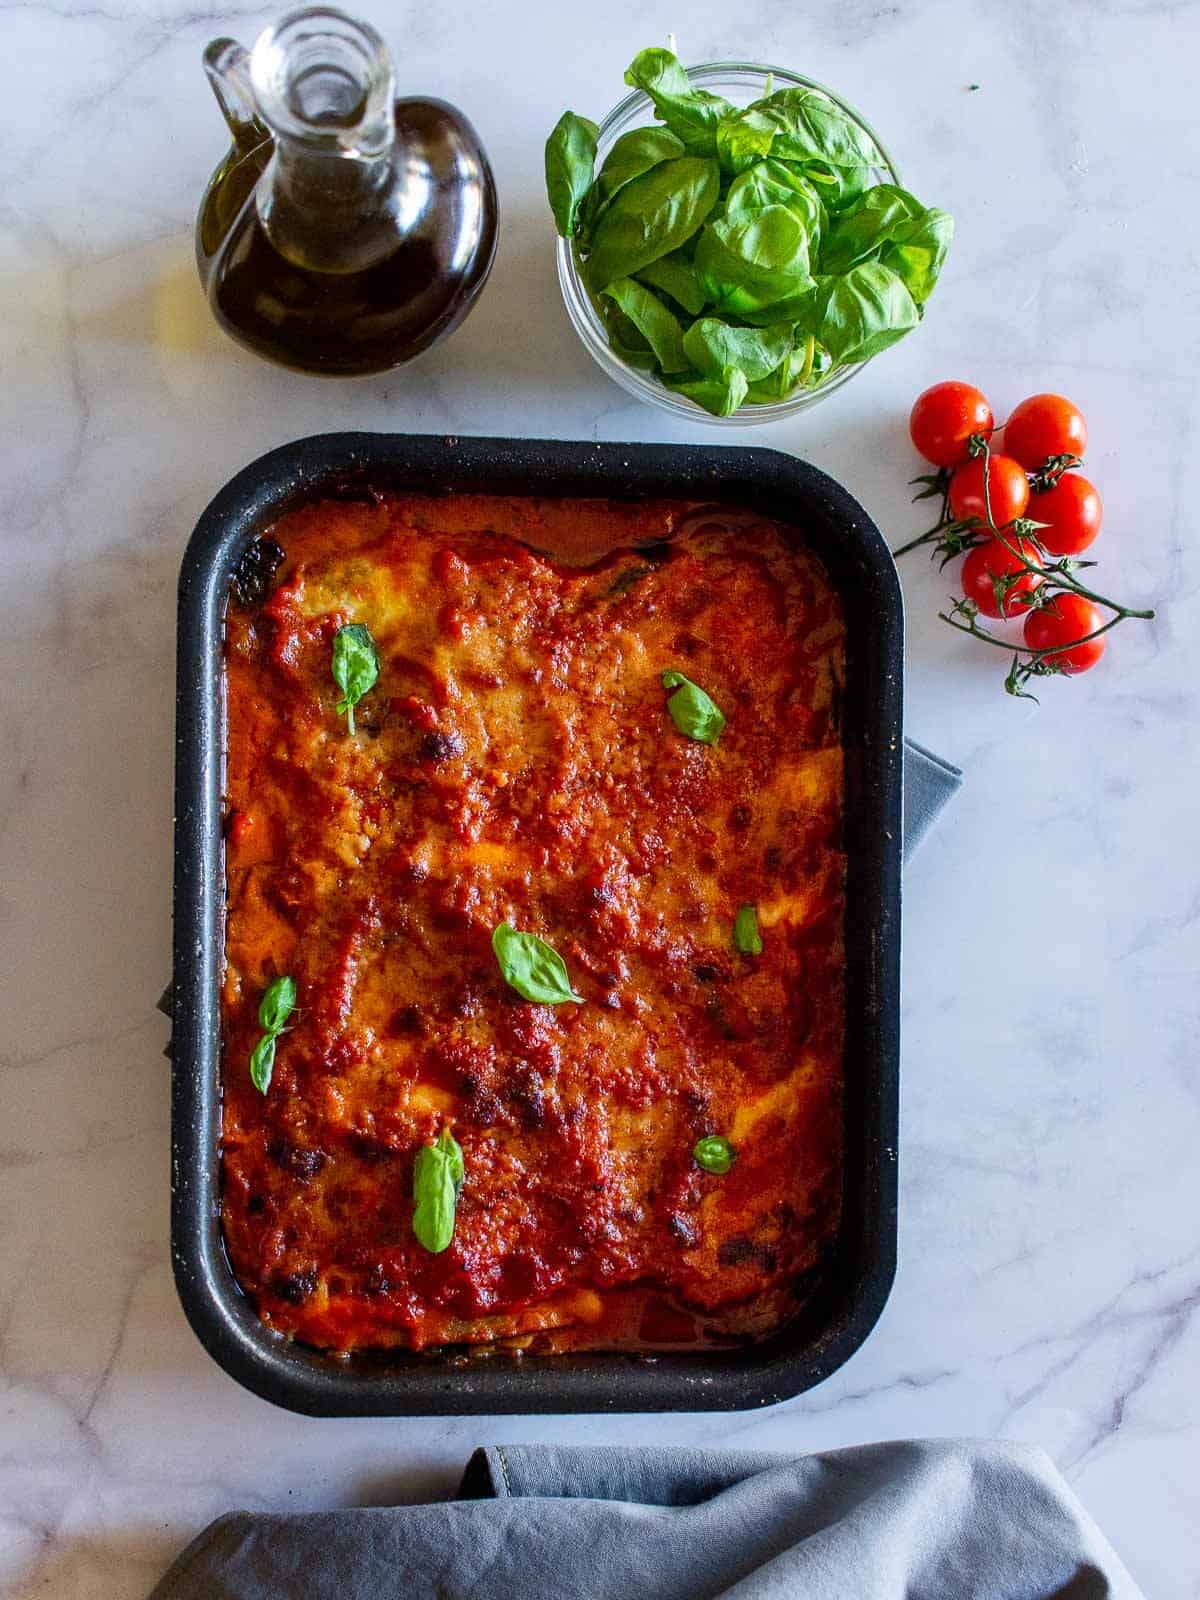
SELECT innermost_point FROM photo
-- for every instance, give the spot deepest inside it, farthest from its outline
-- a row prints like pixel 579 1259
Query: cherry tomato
pixel 1072 512
pixel 944 418
pixel 1008 490
pixel 993 560
pixel 1045 425
pixel 1067 618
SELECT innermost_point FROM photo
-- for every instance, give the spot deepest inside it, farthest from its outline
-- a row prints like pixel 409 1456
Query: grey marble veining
pixel 1050 1242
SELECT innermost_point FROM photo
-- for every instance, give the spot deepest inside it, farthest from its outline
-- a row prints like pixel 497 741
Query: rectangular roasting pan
pixel 849 1294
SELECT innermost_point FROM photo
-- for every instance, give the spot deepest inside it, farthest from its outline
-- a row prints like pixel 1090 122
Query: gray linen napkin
pixel 929 781
pixel 911 1520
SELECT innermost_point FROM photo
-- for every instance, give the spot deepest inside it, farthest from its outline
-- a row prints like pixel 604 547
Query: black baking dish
pixel 845 1304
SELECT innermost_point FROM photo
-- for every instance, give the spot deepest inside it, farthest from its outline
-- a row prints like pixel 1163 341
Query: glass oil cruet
pixel 346 230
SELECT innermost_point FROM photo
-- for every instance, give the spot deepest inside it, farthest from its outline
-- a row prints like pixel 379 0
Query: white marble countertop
pixel 1050 1231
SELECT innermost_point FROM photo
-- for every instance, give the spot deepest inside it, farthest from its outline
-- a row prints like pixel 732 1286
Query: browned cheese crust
pixel 516 761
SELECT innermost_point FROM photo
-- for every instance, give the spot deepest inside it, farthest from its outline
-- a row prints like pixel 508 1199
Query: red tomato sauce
pixel 515 761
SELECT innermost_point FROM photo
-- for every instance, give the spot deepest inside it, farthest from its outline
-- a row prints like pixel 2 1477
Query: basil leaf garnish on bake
pixel 746 936
pixel 355 666
pixel 714 1154
pixel 532 967
pixel 694 713
pixel 275 1007
pixel 438 1175
pixel 262 1063
pixel 277 1004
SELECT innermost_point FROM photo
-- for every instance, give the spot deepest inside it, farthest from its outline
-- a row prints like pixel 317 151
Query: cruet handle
pixel 227 64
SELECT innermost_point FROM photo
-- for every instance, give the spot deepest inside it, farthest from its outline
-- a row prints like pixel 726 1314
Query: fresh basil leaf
pixel 720 395
pixel 890 225
pixel 570 158
pixel 693 712
pixel 863 312
pixel 784 175
pixel 262 1062
pixel 438 1174
pixel 768 245
pixel 744 139
pixel 838 187
pixel 693 115
pixel 637 356
pixel 771 183
pixel 714 1154
pixel 676 276
pixel 355 666
pixel 624 337
pixel 633 153
pixel 651 216
pixel 746 936
pixel 276 1005
pixel 532 967
pixel 712 345
pixel 797 309
pixel 452 1150
pixel 791 374
pixel 753 260
pixel 654 322
pixel 917 253
pixel 810 126
pixel 863 229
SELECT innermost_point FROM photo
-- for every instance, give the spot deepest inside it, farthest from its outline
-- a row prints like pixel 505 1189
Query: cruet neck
pixel 325 80
pixel 319 81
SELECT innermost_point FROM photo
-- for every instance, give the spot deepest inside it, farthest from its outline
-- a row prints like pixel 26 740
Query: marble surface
pixel 1050 1244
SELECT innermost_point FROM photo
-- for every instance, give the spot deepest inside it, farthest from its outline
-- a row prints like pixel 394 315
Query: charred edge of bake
pixel 254 576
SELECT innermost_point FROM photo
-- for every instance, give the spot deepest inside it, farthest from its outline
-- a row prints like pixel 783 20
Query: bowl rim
pixel 591 330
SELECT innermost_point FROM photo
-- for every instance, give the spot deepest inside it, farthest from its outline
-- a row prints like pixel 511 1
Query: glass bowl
pixel 740 82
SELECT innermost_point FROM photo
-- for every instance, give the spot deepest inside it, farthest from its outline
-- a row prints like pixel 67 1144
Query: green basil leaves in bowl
pixel 746 253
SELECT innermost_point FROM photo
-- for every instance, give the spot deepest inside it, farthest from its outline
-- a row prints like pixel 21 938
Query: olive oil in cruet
pixel 346 230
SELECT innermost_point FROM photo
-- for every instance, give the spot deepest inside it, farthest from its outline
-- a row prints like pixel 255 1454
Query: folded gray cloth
pixel 913 1520
pixel 928 783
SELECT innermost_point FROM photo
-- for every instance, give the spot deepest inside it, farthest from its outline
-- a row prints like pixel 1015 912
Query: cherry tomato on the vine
pixel 1007 490
pixel 1045 425
pixel 985 569
pixel 1071 511
pixel 1059 626
pixel 943 419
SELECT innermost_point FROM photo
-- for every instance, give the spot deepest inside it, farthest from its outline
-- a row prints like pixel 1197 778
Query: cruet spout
pixel 324 80
pixel 227 64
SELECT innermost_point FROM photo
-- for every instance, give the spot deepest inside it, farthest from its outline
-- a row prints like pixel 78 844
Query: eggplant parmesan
pixel 656 1160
